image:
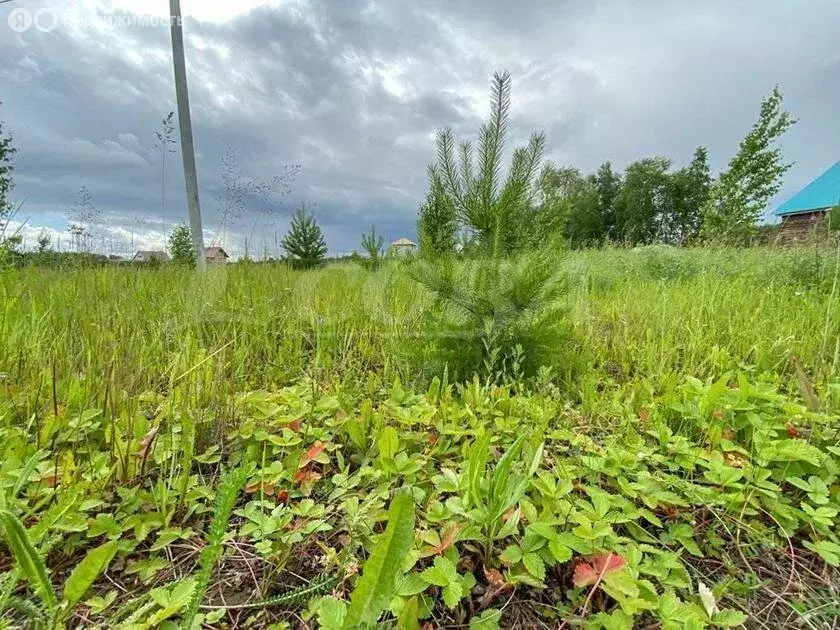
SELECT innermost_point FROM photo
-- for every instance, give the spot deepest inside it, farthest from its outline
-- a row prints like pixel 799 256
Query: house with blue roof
pixel 807 208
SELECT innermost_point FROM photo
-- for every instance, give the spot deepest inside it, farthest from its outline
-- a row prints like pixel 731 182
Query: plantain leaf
pixel 27 558
pixel 478 454
pixel 376 587
pixel 25 473
pixel 95 563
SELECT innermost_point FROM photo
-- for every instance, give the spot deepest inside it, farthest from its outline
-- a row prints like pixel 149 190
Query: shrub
pixel 498 318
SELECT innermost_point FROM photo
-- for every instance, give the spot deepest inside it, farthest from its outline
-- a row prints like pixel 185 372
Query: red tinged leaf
pixel 496 585
pixel 306 476
pixel 448 536
pixel 494 577
pixel 792 431
pixel 266 487
pixel 433 438
pixel 584 575
pixel 294 425
pixel 588 573
pixel 313 452
pixel 52 480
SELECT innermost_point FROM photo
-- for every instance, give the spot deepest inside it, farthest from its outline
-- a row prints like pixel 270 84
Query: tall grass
pixel 648 312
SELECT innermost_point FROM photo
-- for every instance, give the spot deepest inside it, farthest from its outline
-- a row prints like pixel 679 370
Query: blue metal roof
pixel 823 192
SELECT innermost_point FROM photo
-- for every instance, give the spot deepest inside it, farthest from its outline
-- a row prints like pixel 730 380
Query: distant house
pixel 150 256
pixel 403 246
pixel 806 209
pixel 215 256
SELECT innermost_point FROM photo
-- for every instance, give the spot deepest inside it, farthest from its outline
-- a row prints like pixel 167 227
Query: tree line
pixel 469 204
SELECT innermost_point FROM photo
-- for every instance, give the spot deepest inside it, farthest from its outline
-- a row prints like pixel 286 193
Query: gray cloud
pixel 353 92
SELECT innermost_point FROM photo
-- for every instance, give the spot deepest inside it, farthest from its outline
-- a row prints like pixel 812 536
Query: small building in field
pixel 215 256
pixel 150 256
pixel 809 207
pixel 403 246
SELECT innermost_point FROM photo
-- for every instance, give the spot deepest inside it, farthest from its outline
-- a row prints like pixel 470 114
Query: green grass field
pixel 227 450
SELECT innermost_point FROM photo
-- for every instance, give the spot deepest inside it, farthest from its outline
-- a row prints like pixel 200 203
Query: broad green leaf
pixel 388 443
pixel 487 620
pixel 478 455
pixel 535 565
pixel 375 588
pixel 24 474
pixel 511 555
pixel 331 613
pixel 501 481
pixel 452 594
pixel 560 551
pixel 87 571
pixel 791 451
pixel 620 584
pixel 827 550
pixel 441 573
pixel 535 461
pixel 27 558
pixel 411 584
pixel 729 618
pixel 407 619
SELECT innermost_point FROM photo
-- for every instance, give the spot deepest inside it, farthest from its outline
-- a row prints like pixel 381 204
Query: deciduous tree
pixel 643 200
pixel 689 192
pixel 7 154
pixel 753 177
pixel 181 246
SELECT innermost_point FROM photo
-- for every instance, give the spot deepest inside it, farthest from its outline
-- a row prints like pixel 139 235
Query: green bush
pixel 498 318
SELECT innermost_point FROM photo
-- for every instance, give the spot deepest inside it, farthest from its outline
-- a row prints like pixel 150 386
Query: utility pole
pixel 187 149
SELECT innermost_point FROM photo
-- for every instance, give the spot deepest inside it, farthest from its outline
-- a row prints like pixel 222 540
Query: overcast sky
pixel 353 92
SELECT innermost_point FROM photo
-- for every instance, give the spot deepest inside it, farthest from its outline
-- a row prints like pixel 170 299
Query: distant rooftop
pixel 150 254
pixel 403 242
pixel 823 192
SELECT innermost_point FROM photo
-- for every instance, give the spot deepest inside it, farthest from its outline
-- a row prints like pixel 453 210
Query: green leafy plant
pixel 32 566
pixel 376 586
pixel 754 176
pixel 444 575
pixel 231 484
pixel 181 246
pixel 498 319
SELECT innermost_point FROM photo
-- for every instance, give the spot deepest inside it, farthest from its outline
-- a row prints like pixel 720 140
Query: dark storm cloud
pixel 353 92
